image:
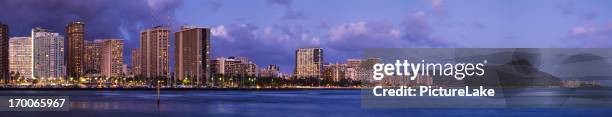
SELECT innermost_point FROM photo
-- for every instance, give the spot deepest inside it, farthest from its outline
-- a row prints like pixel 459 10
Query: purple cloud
pixel 418 31
pixel 348 39
pixel 267 45
pixel 439 7
pixel 103 18
pixel 592 36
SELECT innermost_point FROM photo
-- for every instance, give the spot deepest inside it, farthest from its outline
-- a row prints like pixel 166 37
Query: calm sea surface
pixel 315 103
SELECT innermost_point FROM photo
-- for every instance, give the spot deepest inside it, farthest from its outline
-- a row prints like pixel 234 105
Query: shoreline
pixel 228 89
pixel 171 89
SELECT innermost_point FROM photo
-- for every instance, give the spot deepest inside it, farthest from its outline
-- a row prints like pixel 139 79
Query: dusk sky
pixel 269 31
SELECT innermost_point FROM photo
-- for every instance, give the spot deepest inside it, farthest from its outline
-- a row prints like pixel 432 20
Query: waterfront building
pixel 192 53
pixel 136 61
pixel 75 34
pixel 334 72
pixel 217 66
pixel 20 56
pixel 4 51
pixel 154 48
pixel 92 63
pixel 353 66
pixel 308 62
pixel 48 54
pixel 112 57
pixel 270 71
pixel 366 71
pixel 234 66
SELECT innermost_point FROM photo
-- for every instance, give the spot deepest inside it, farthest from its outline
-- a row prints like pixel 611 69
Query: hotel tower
pixel 192 49
pixel 154 48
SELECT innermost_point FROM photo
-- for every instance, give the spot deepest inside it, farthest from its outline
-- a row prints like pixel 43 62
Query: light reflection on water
pixel 256 103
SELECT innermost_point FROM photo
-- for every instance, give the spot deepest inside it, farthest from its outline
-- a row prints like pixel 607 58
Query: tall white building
pixel 20 56
pixel 48 54
pixel 308 62
pixel 112 57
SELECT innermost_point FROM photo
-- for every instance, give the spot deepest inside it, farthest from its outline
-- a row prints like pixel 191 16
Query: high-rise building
pixel 136 68
pixel 4 52
pixel 75 34
pixel 334 72
pixel 240 67
pixel 92 59
pixel 217 66
pixel 20 56
pixel 366 70
pixel 48 54
pixel 234 66
pixel 112 57
pixel 154 48
pixel 192 50
pixel 354 62
pixel 103 57
pixel 270 71
pixel 308 62
pixel 353 66
pixel 250 69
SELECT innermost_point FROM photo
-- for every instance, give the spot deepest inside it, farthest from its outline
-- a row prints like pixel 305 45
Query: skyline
pixel 336 58
pixel 270 31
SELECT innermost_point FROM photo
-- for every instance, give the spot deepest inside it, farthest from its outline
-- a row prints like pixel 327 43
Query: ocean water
pixel 308 103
